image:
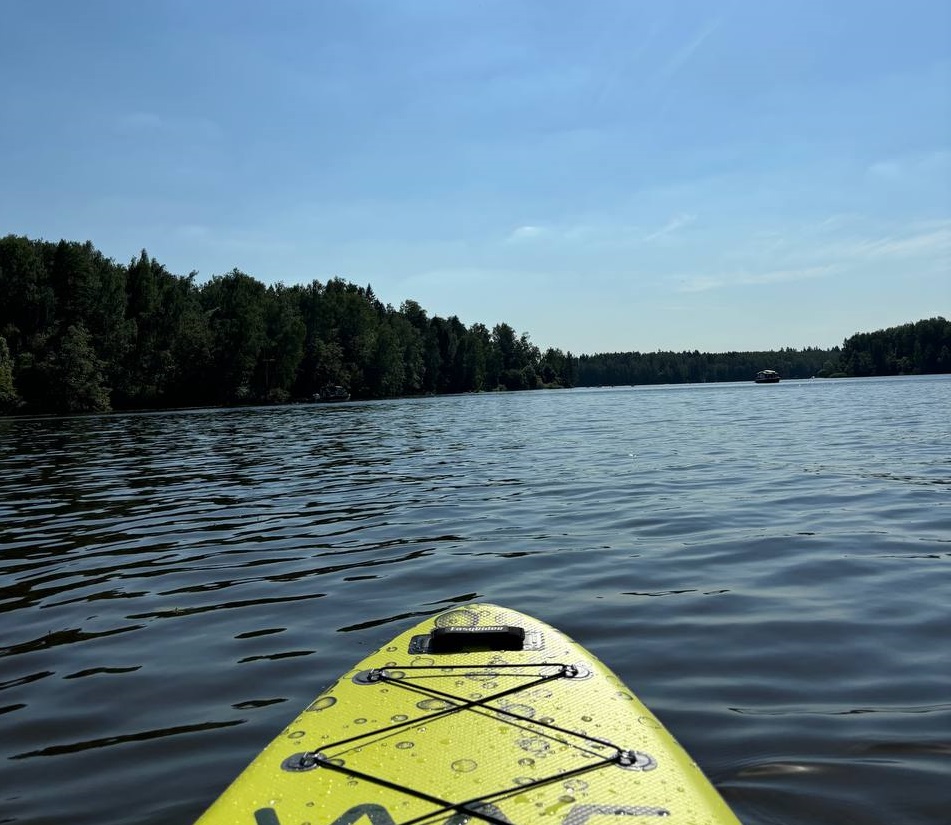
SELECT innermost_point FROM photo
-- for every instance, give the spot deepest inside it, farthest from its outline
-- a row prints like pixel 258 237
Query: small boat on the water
pixel 332 393
pixel 767 377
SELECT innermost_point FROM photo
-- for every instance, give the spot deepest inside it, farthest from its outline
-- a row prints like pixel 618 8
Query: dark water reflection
pixel 768 567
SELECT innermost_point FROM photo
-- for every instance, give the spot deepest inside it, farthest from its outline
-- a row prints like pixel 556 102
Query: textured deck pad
pixel 544 733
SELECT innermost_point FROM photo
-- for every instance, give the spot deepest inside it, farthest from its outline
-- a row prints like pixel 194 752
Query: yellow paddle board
pixel 480 714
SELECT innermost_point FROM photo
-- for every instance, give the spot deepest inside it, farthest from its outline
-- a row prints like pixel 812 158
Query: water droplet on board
pixel 396 674
pixel 434 704
pixel 297 734
pixel 423 661
pixel 360 721
pixel 405 745
pixel 323 703
pixel 534 744
pixel 464 765
pixel 458 618
pixel 585 718
pixel 400 717
pixel 576 785
pixel 526 762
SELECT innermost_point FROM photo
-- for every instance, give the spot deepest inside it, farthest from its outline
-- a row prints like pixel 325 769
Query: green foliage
pixel 284 345
pixel 621 368
pixel 80 333
pixel 75 374
pixel 27 301
pixel 9 400
pixel 910 349
pixel 234 305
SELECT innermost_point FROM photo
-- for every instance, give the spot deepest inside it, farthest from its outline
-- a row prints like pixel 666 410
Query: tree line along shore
pixel 82 333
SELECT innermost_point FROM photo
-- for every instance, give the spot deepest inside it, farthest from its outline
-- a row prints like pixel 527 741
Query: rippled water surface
pixel 766 566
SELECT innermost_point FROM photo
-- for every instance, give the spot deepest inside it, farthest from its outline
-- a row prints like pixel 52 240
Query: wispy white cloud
pixel 527 232
pixel 597 232
pixel 620 63
pixel 683 55
pixel 676 223
pixel 824 249
pixel 778 276
pixel 928 239
pixel 837 221
pixel 703 283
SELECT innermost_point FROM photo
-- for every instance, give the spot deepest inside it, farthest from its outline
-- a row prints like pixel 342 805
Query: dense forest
pixel 82 333
pixel 693 367
pixel 920 348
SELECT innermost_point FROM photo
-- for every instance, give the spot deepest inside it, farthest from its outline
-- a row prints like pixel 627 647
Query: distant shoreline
pixel 80 333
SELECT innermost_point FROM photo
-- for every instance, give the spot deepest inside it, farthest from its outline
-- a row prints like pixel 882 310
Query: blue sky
pixel 606 176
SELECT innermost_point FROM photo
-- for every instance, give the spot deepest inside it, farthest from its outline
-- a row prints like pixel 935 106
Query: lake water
pixel 768 567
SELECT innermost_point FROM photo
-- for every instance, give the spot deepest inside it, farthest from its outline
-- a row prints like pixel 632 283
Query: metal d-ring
pixel 304 761
pixel 635 760
pixel 369 677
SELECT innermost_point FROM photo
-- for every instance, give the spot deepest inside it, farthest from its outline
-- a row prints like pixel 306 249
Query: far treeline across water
pixel 81 333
